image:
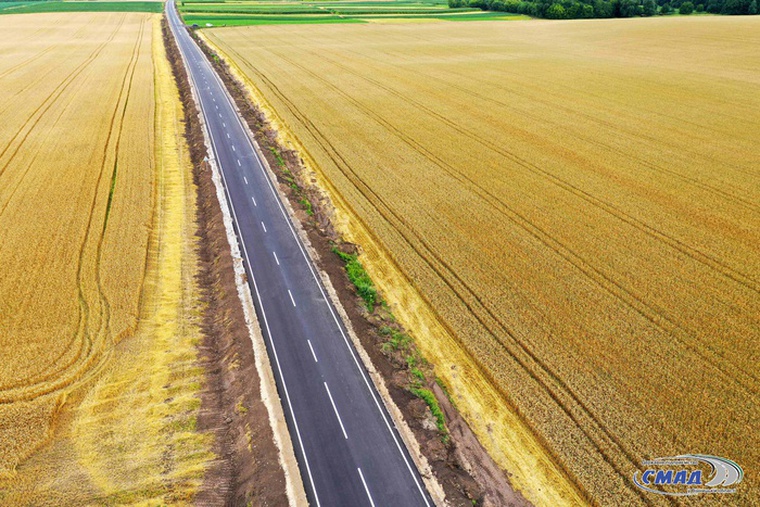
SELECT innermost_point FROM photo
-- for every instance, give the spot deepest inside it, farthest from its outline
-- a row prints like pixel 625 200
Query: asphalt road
pixel 348 449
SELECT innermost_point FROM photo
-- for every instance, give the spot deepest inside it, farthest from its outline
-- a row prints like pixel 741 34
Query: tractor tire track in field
pixel 655 315
pixel 694 253
pixel 652 297
pixel 536 369
pixel 51 99
pixel 91 337
pixel 711 189
pixel 6 390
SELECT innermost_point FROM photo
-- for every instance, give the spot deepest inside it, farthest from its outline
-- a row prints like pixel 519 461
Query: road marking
pixel 271 341
pixel 291 298
pixel 275 254
pixel 264 226
pixel 217 108
pixel 339 420
pixel 239 163
pixel 337 323
pixel 220 115
pixel 332 312
pixel 224 125
pixel 254 201
pixel 228 135
pixel 233 147
pixel 312 351
pixel 245 179
pixel 361 475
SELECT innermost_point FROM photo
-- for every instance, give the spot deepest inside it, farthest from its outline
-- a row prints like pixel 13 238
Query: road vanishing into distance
pixel 347 447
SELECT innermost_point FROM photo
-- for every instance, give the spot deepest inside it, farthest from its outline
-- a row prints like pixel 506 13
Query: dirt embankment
pixel 461 465
pixel 247 470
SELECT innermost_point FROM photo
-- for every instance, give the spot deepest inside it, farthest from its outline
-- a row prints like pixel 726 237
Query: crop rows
pixel 579 207
pixel 76 196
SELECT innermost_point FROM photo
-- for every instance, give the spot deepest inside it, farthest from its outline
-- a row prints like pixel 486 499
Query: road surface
pixel 348 449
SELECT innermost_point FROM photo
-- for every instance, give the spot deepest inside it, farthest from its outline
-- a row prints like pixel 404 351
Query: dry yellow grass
pixel 98 299
pixel 576 206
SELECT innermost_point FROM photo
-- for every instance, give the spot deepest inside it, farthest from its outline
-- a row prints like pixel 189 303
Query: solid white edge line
pixel 324 296
pixel 361 475
pixel 312 351
pixel 332 402
pixel 263 314
pixel 291 298
pixel 275 258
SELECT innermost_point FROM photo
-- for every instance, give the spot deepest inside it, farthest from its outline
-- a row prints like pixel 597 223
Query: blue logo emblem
pixel 689 474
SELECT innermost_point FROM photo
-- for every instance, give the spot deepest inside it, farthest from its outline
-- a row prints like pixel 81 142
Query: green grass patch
pixel 237 13
pixel 245 20
pixel 307 206
pixel 359 278
pixel 43 6
pixel 429 398
pixel 396 340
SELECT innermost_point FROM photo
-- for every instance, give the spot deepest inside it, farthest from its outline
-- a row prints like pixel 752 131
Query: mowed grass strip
pixel 255 12
pixel 76 6
pixel 577 202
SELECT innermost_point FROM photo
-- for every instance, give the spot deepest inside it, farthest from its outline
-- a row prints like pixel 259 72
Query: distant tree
pixel 650 8
pixel 700 8
pixel 686 8
pixel 627 9
pixel 556 11
pixel 666 9
pixel 752 8
pixel 736 7
pixel 603 9
pixel 455 4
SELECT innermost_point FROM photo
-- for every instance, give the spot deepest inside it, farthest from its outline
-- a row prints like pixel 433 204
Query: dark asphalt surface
pixel 346 444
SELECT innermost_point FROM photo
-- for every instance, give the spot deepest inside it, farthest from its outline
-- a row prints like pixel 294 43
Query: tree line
pixel 575 9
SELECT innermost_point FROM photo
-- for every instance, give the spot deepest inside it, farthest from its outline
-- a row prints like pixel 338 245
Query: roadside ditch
pixel 247 470
pixel 460 464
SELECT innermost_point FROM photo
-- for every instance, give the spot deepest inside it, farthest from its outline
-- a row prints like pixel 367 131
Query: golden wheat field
pixel 579 204
pixel 98 369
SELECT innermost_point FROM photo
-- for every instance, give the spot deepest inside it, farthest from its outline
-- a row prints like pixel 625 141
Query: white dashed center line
pixel 312 351
pixel 371 502
pixel 245 179
pixel 265 230
pixel 254 201
pixel 291 298
pixel 238 162
pixel 233 147
pixel 338 415
pixel 275 258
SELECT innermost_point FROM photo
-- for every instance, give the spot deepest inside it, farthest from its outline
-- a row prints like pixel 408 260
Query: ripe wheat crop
pixel 99 305
pixel 76 197
pixel 578 202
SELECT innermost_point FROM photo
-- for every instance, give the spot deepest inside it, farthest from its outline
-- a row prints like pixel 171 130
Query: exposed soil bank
pixel 461 465
pixel 247 470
